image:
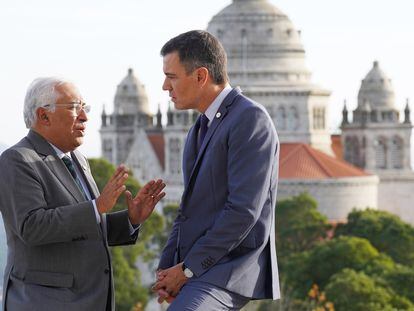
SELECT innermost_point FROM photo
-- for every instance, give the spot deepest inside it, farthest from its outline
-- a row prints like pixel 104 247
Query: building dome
pixel 131 96
pixel 261 42
pixel 377 90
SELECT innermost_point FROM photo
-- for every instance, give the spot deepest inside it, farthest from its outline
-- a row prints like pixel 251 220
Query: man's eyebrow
pixel 170 74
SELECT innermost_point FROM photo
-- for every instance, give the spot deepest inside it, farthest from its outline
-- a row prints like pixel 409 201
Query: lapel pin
pixel 218 115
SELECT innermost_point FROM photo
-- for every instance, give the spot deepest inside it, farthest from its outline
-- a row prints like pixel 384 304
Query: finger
pixel 163 293
pixel 121 178
pixel 146 189
pixel 128 197
pixel 118 192
pixel 158 198
pixel 152 187
pixel 120 170
pixel 159 285
pixel 159 188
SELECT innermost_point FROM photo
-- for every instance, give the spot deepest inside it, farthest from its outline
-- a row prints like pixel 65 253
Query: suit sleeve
pixel 117 229
pixel 26 211
pixel 252 144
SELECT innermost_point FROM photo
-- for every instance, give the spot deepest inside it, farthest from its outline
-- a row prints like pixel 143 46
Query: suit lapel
pixel 221 112
pixel 56 165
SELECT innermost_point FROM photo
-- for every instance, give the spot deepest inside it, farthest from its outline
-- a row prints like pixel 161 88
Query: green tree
pixel 128 287
pixel 401 279
pixel 299 225
pixel 352 290
pixel 324 260
pixel 386 232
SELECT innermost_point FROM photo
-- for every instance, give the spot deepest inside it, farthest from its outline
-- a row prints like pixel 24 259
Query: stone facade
pixel 377 140
pixel 336 197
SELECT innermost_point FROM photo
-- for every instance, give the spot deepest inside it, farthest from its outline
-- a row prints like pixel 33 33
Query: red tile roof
pixel 300 161
pixel 157 142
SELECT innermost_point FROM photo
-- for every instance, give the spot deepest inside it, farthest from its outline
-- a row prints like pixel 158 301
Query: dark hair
pixel 199 48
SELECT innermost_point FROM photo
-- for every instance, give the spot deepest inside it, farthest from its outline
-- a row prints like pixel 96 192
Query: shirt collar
pixel 215 105
pixel 59 152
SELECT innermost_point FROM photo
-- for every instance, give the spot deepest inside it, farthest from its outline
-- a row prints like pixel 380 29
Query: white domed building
pixel 266 59
pixel 377 141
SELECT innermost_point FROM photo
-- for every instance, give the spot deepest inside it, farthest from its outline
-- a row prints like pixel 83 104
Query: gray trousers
pixel 201 296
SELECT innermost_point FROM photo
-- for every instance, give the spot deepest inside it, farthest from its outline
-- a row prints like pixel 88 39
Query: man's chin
pixel 78 141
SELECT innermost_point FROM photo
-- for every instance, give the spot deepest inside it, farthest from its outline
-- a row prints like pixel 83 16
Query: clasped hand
pixel 169 283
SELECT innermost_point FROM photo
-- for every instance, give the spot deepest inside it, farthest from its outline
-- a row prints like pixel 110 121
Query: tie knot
pixel 67 160
pixel 204 121
pixel 69 164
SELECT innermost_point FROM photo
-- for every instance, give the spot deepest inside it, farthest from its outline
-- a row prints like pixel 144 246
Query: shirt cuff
pixel 133 228
pixel 97 215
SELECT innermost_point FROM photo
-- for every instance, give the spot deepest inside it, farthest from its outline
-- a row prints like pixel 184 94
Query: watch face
pixel 188 273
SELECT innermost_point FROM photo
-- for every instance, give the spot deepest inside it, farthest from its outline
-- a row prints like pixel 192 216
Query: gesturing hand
pixel 112 190
pixel 140 207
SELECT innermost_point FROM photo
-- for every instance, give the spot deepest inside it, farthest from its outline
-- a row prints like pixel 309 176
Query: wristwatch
pixel 187 272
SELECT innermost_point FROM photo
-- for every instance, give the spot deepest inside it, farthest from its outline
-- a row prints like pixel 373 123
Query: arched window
pixel 397 152
pixel 292 119
pixel 280 118
pixel 352 150
pixel 381 152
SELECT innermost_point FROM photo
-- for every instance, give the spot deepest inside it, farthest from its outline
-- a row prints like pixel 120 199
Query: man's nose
pixel 83 116
pixel 166 86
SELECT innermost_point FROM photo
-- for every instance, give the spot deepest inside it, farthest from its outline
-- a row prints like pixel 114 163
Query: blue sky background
pixel 94 42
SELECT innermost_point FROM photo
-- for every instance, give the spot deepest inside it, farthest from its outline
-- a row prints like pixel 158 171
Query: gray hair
pixel 41 93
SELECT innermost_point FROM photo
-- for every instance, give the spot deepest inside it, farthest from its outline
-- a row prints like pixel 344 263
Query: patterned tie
pixel 203 130
pixel 69 164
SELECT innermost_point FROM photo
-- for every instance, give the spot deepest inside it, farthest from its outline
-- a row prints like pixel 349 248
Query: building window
pixel 381 153
pixel 175 156
pixel 281 118
pixel 353 150
pixel 107 149
pixel 318 118
pixel 397 152
pixel 292 119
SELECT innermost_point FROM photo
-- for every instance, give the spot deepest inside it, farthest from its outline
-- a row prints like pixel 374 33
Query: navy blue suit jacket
pixel 225 228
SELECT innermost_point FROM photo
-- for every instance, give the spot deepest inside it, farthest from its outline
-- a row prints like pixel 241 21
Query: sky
pixel 94 42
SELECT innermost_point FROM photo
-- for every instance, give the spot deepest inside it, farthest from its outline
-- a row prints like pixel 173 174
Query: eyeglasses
pixel 76 107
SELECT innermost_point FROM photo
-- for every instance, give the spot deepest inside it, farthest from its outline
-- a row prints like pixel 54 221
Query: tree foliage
pixel 352 290
pixel 386 232
pixel 299 225
pixel 367 265
pixel 319 264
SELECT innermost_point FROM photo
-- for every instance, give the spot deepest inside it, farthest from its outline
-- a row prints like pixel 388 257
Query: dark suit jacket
pixel 58 256
pixel 225 229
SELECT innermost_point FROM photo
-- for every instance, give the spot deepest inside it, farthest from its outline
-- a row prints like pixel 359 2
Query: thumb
pixel 128 197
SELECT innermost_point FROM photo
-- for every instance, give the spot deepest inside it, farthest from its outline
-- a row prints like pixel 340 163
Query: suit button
pixel 106 271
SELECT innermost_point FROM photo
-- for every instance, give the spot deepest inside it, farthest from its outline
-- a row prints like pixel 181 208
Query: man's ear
pixel 202 75
pixel 42 116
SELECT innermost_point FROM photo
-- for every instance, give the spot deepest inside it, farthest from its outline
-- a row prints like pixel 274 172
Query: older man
pixel 221 252
pixel 57 228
